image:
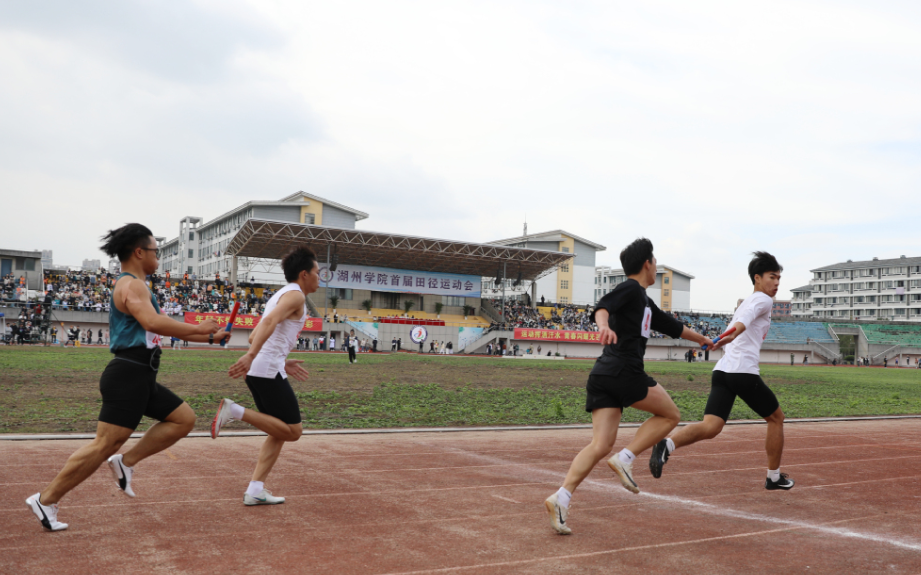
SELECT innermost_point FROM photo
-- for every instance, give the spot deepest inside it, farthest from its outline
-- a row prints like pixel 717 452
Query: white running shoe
pixel 47 514
pixel 265 497
pixel 122 474
pixel 624 472
pixel 558 515
pixel 221 418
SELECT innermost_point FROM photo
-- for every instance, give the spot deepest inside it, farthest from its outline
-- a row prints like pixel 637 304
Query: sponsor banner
pixel 245 321
pixel 468 335
pixel 557 335
pixel 406 281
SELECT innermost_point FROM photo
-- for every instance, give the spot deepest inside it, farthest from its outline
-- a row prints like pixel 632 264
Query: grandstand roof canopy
pixel 849 265
pixel 272 239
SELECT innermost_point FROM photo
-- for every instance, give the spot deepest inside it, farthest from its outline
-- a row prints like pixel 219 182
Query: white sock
pixel 563 496
pixel 626 456
pixel 255 488
pixel 236 411
pixel 669 444
pixel 774 474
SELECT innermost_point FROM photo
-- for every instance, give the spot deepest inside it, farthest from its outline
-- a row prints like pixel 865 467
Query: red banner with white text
pixel 245 321
pixel 557 335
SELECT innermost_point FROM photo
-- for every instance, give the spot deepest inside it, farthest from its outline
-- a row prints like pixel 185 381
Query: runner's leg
pixel 605 423
pixel 666 417
pixel 86 460
pixel 709 428
pixel 773 444
pixel 163 434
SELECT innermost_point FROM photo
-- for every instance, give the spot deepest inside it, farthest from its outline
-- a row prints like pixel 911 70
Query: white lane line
pixel 613 551
pixel 721 510
pixel 504 498
pixel 339 494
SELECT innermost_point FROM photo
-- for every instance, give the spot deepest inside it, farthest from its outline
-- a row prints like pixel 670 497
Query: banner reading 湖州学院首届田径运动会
pixel 349 276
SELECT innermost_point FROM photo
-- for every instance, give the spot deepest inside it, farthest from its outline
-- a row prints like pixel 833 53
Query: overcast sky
pixel 713 128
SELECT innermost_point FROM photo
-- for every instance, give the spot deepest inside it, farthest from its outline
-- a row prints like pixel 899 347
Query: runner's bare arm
pixel 606 334
pixel 740 327
pixel 288 305
pixel 691 335
pixel 137 300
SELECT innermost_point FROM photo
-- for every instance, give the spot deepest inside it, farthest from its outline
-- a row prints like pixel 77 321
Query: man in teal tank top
pixel 129 385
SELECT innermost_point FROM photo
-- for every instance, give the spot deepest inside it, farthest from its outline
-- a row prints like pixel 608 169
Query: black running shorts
pixel 130 390
pixel 618 391
pixel 275 397
pixel 747 386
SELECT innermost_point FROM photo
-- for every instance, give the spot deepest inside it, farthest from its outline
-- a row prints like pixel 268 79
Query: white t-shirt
pixel 742 354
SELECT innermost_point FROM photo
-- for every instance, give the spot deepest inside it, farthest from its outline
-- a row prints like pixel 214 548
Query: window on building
pixel 310 218
pixel 665 291
pixel 456 301
pixel 564 299
pixel 564 284
pixel 566 250
pixel 665 281
pixel 564 268
pixel 191 236
pixel 191 253
pixel 30 265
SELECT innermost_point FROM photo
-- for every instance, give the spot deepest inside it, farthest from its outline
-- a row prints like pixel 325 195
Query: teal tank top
pixel 125 331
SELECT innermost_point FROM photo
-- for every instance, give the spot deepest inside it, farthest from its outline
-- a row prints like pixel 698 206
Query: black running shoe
pixel 783 483
pixel 658 458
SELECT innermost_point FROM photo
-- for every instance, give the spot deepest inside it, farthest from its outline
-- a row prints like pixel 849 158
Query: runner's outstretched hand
pixel 293 368
pixel 241 367
pixel 607 335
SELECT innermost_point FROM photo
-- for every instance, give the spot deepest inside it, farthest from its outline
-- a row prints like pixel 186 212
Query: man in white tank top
pixel 266 367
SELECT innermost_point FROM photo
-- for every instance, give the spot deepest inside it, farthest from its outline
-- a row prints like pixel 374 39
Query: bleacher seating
pixel 798 332
pixel 904 335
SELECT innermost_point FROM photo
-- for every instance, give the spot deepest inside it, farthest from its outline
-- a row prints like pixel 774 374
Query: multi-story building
pixel 91 265
pixel 200 248
pixel 569 283
pixel 671 292
pixel 875 289
pixel 801 304
pixel 782 308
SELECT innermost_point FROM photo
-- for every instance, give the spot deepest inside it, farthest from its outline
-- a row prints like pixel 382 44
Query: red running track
pixel 472 502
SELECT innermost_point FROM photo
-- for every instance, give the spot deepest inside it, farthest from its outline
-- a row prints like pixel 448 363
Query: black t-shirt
pixel 627 308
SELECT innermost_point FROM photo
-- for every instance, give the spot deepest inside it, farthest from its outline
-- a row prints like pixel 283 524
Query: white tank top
pixel 270 361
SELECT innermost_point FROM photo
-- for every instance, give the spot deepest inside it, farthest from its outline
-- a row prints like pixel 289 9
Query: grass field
pixel 56 390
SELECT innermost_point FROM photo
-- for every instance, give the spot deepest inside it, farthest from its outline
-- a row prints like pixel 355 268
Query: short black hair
pixel 299 259
pixel 122 242
pixel 761 264
pixel 635 255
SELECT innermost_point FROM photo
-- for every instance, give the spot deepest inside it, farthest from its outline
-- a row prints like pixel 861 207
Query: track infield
pixel 471 502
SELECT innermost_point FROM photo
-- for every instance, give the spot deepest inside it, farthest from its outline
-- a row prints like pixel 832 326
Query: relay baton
pixel 233 317
pixel 716 339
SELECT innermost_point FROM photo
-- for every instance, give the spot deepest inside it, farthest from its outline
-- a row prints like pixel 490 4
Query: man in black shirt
pixel 625 319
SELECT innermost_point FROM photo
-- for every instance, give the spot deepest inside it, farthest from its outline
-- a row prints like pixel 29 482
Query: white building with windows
pixel 801 302
pixel 200 247
pixel 874 289
pixel 671 292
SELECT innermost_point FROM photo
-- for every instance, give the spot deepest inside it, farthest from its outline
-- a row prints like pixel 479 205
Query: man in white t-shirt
pixel 737 374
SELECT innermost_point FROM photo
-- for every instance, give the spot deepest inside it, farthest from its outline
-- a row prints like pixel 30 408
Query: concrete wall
pixel 290 213
pixel 583 291
pixel 681 300
pixel 585 255
pixel 680 282
pixel 336 218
